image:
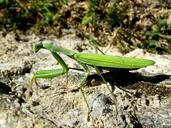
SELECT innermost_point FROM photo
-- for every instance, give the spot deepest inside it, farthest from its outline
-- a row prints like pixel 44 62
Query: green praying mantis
pixel 99 61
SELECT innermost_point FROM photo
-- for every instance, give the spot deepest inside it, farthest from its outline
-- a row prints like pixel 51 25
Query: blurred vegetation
pixel 158 38
pixel 23 14
pixel 126 24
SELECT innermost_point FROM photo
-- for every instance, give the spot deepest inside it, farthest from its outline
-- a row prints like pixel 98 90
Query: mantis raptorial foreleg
pixel 63 64
pixel 50 73
pixel 61 61
pixel 45 74
pixel 58 72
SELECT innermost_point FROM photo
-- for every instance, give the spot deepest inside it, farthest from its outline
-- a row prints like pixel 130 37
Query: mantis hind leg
pixel 113 97
pixel 99 73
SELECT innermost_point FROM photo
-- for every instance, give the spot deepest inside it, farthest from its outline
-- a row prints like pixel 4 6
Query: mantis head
pixel 37 47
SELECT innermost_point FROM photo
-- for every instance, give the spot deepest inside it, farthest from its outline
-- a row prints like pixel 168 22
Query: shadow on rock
pixel 4 88
pixel 129 80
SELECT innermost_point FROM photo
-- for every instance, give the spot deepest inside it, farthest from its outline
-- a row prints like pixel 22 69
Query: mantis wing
pixel 108 61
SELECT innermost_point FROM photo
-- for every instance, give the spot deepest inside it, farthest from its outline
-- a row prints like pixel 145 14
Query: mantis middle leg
pixel 86 73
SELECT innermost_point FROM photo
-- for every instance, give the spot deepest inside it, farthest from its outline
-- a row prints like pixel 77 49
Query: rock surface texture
pixel 140 98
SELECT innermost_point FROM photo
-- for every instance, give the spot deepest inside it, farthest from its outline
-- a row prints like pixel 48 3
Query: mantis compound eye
pixel 37 47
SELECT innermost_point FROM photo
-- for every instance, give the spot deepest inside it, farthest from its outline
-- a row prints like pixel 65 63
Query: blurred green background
pixel 125 24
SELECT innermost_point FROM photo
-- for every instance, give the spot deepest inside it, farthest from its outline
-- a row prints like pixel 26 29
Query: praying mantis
pixel 99 61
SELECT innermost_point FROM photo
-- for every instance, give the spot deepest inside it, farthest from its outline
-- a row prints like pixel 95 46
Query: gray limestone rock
pixel 140 98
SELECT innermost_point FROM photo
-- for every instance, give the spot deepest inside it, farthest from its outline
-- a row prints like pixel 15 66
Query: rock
pixel 130 111
pixel 141 98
